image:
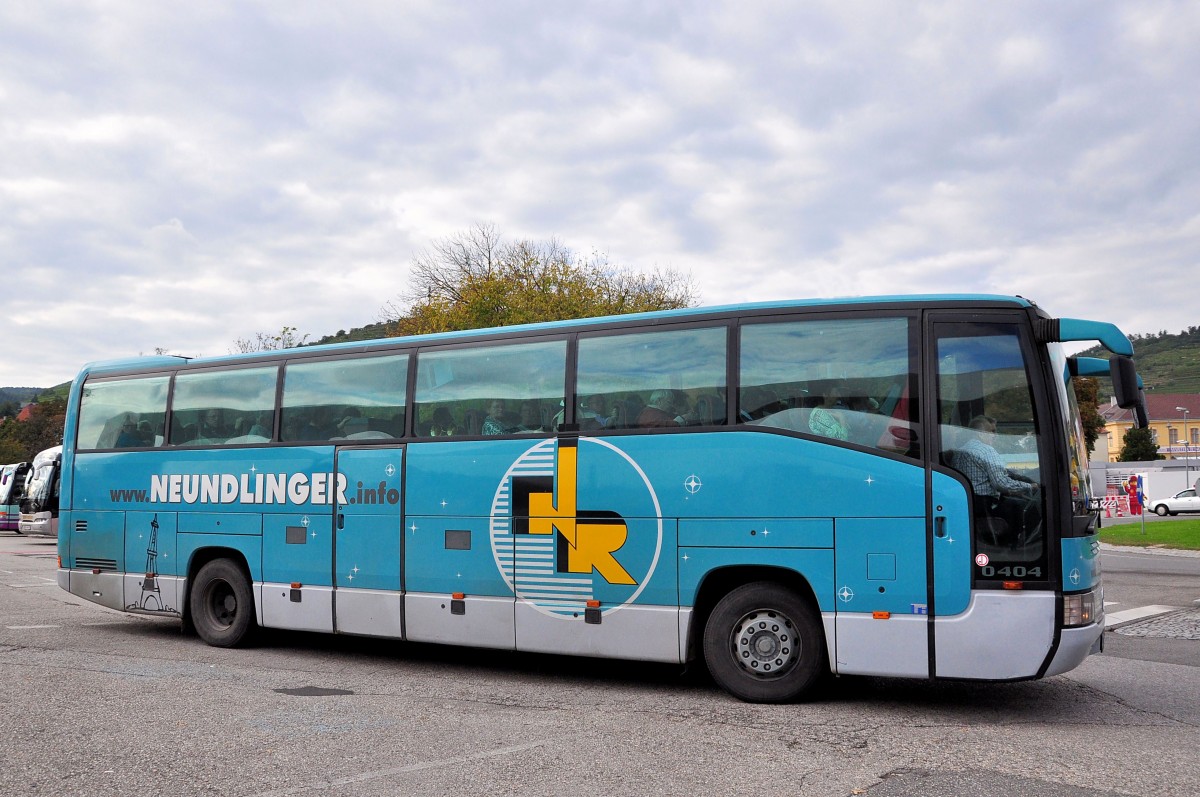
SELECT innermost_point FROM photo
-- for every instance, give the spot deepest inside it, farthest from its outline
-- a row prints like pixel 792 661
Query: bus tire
pixel 763 643
pixel 221 604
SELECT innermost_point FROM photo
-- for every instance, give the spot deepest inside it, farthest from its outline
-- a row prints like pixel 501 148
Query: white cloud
pixel 182 176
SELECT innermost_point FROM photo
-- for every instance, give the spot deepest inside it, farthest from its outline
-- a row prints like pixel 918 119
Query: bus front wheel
pixel 763 643
pixel 222 606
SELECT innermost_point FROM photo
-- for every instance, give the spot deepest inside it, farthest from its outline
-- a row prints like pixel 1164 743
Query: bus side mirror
pixel 1125 385
pixel 1140 419
pixel 1124 381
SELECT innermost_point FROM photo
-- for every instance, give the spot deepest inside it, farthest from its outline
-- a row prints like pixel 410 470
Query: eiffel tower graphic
pixel 151 600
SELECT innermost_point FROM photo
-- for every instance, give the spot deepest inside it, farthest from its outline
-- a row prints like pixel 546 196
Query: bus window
pixel 652 379
pixel 223 407
pixel 989 434
pixel 353 399
pixel 849 379
pixel 490 390
pixel 123 413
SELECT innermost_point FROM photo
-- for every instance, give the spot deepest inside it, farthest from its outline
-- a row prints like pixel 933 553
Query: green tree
pixel 21 440
pixel 475 279
pixel 1087 396
pixel 1138 446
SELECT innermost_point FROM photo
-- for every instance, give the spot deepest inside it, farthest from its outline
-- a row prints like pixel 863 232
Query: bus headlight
pixel 1083 608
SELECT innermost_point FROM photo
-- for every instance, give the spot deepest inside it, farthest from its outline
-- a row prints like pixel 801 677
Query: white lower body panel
pixel 276 609
pixel 643 633
pixel 897 646
pixel 485 622
pixel 1003 635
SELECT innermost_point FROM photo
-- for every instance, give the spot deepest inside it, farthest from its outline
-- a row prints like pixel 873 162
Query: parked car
pixel 1182 501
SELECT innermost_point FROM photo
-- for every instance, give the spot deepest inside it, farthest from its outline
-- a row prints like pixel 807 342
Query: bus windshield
pixel 40 504
pixel 1072 429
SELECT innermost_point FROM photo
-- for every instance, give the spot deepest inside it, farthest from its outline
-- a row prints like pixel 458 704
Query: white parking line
pixel 29 627
pixel 1141 612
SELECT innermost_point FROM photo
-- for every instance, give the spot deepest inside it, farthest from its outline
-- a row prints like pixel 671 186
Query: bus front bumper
pixel 1075 645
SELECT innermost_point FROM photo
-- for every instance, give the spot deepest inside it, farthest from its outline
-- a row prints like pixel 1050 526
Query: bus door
pixel 992 618
pixel 368 516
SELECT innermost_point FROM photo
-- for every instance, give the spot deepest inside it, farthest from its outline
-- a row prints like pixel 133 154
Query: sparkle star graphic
pixel 846 594
pixel 692 484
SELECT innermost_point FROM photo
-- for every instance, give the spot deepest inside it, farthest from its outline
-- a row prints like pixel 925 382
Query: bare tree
pixel 286 339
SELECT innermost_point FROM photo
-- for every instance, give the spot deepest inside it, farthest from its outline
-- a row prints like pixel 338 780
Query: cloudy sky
pixel 181 175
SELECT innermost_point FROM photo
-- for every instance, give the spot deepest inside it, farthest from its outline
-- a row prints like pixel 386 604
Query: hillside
pixel 1168 363
pixel 18 395
pixel 369 332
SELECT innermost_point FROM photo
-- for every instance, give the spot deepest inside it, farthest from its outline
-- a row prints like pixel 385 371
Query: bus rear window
pixel 123 413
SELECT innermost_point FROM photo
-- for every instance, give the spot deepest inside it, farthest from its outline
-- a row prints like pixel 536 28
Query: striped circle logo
pixel 560 540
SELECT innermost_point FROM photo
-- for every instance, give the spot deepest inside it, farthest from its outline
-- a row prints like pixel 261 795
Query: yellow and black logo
pixel 576 519
pixel 585 539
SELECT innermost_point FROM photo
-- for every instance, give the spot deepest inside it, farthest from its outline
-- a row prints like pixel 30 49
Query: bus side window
pixel 484 388
pixel 851 379
pixel 655 379
pixel 205 403
pixel 356 398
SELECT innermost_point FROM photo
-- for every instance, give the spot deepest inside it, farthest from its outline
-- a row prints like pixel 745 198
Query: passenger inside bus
pixel 129 437
pixel 829 419
pixel 659 412
pixel 442 424
pixel 531 418
pixel 212 426
pixel 495 422
pixel 595 415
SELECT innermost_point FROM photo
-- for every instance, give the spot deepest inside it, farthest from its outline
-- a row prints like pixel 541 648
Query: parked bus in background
pixel 40 504
pixel 12 487
pixel 893 486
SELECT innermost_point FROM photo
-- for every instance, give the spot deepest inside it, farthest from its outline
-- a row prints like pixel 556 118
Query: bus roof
pixel 169 362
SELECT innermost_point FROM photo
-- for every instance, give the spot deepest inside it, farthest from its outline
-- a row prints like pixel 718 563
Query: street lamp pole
pixel 1187 447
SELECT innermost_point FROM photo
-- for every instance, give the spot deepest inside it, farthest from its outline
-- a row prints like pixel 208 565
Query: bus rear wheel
pixel 222 606
pixel 763 643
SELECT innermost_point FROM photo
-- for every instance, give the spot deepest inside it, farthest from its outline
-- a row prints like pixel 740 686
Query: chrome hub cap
pixel 765 643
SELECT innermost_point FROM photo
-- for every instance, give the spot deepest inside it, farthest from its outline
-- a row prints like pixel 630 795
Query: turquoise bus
pixel 782 491
pixel 12 487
